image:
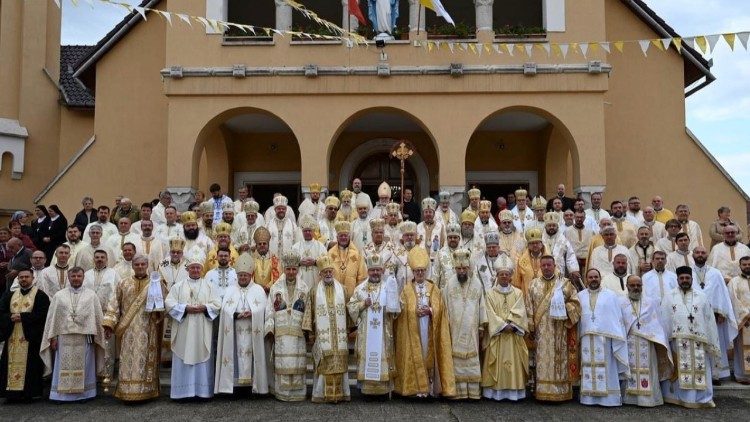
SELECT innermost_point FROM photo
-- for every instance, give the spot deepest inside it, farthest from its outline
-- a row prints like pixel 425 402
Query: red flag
pixel 356 12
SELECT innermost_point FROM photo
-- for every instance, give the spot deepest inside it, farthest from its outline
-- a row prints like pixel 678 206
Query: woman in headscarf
pixel 39 226
pixel 56 228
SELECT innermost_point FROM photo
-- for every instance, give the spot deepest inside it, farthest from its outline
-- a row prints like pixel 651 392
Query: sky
pixel 717 115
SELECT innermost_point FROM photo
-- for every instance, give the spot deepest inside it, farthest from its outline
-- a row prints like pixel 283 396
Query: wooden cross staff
pixel 402 151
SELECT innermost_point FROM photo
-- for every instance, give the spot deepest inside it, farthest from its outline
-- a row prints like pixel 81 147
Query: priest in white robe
pixel 192 304
pixel 463 297
pixel 739 292
pixel 522 215
pixel 690 324
pixel 603 344
pixel 649 355
pixel 55 277
pixel 223 276
pixel 74 332
pixel 682 255
pixel 708 280
pixel 658 282
pixel 312 205
pixel 602 256
pixel 327 324
pixel 445 212
pixel 103 281
pixel 282 226
pixel 726 256
pixel 374 306
pixel 616 280
pixel 430 231
pixel 309 250
pixel 360 232
pixel 241 350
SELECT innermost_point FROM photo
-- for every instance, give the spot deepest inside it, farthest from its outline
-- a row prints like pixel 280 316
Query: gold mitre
pixel 315 187
pixel 461 258
pixel 551 217
pixel 384 190
pixel 392 208
pixel 533 235
pixel 468 216
pixel 332 201
pixel 251 207
pixel 474 193
pixel 261 235
pixel 188 217
pixel 521 193
pixel 374 261
pixel 227 207
pixel 418 258
pixel 504 263
pixel 307 222
pixel 222 228
pixel 324 262
pixel 506 215
pixel 342 226
pixel 290 259
pixel 280 201
pixel 346 195
pixel 485 205
pixel 538 203
pixel 176 243
pixel 206 208
pixel 377 224
pixel 245 264
pixel 453 229
pixel 429 204
pixel 407 227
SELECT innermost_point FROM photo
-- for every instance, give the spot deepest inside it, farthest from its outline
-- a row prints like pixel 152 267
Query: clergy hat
pixel 195 256
pixel 444 196
pixel 468 216
pixel 474 193
pixel 429 204
pixel 245 264
pixel 377 224
pixel 315 187
pixel 342 226
pixel 307 222
pixel 407 227
pixel 418 258
pixel 506 215
pixel 188 217
pixel 176 243
pixel 227 207
pixel 250 207
pixel 324 262
pixel 290 259
pixel 492 238
pixel 521 193
pixel 332 201
pixel 280 201
pixel 346 195
pixel 551 217
pixel 393 208
pixel 261 234
pixel 374 261
pixel 533 235
pixel 206 208
pixel 684 270
pixel 461 258
pixel 362 201
pixel 453 229
pixel 485 205
pixel 384 190
pixel 504 263
pixel 222 228
pixel 538 203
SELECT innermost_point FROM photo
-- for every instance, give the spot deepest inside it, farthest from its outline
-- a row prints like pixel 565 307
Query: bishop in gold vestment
pixel 139 334
pixel 423 347
pixel 505 368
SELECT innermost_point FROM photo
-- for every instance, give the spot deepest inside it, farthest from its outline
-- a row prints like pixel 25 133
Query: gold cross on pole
pixel 402 151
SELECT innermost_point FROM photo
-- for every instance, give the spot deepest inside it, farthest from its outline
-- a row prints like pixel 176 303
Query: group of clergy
pixel 456 306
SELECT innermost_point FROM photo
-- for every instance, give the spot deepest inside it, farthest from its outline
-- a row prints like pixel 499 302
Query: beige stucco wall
pixel 76 128
pixel 648 151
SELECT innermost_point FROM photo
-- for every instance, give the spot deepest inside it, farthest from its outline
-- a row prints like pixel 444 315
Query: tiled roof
pixel 74 93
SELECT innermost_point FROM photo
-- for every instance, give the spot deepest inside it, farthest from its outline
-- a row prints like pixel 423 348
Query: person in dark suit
pixel 40 225
pixel 86 215
pixel 56 228
pixel 412 211
pixel 567 202
pixel 20 258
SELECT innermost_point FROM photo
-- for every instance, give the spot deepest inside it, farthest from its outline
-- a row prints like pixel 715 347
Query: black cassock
pixel 33 329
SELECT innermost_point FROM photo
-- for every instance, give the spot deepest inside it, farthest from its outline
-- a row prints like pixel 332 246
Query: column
pixel 416 19
pixel 182 196
pixel 216 9
pixel 483 9
pixel 283 16
pixel 348 22
pixel 586 191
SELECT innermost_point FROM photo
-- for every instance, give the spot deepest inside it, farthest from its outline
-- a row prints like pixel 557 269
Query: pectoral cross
pixel 375 323
pixel 638 324
pixel 691 318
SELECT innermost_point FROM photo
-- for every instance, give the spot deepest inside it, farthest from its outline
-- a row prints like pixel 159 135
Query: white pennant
pixel 57 2
pixel 167 16
pixel 547 48
pixel 666 42
pixel 528 48
pixel 606 47
pixel 690 41
pixel 584 49
pixel 185 18
pixel 511 47
pixel 141 11
pixel 450 47
pixel 712 40
pixel 480 47
pixel 437 45
pixel 644 46
pixel 564 49
pixel 743 36
pixel 464 46
pixel 497 48
pixel 205 22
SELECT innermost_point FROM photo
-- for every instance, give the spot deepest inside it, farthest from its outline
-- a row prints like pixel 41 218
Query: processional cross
pixel 402 151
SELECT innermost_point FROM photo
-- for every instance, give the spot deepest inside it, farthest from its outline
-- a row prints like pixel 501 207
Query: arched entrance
pixel 520 147
pixel 254 148
pixel 361 149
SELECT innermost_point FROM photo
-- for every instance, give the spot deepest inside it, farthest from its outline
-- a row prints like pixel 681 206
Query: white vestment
pixel 559 247
pixel 726 258
pixel 53 279
pixel 521 219
pixel 361 234
pixel 579 240
pixel 222 279
pixel 602 257
pixel 309 249
pixel 678 259
pixel 657 284
pixel 108 229
pixel 284 235
pixel 694 232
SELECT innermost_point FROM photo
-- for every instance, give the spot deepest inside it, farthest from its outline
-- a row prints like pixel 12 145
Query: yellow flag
pixel 729 38
pixel 657 44
pixel 473 48
pixel 678 44
pixel 619 45
pixel 702 43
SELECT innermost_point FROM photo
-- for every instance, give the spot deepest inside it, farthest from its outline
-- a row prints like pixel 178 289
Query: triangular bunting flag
pixel 430 45
pixel 450 47
pixel 166 15
pixel 141 11
pixel 473 48
pixel 510 48
pixel 204 21
pixel 677 44
pixel 606 47
pixel 185 18
pixel 564 50
pixel 743 36
pixel 497 48
pixel 464 46
pixel 658 44
pixel 584 49
pixel 712 41
pixel 644 46
pixel 487 47
pixel 529 49
pixel 666 42
pixel 519 48
pixel 480 49
pixel 556 49
pixel 620 45
pixel 729 38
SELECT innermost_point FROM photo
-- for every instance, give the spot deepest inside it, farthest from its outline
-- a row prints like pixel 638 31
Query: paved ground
pixel 732 406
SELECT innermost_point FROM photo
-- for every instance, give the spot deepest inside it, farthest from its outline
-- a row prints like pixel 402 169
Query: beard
pixel 551 232
pixel 462 278
pixel 409 245
pixel 467 233
pixel 328 280
pixel 746 272
pixel 634 295
pixel 701 260
pixel 191 234
pixel 375 278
